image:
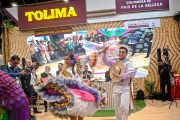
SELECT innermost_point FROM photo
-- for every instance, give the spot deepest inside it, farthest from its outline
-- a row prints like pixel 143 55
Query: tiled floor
pixel 155 110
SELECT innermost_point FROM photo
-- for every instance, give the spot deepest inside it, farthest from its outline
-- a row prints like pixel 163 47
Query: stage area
pixel 154 110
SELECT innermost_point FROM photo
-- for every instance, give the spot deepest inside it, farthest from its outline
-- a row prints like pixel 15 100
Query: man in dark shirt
pixel 13 70
pixel 60 67
pixel 163 70
pixel 87 74
pixel 47 72
pixel 149 35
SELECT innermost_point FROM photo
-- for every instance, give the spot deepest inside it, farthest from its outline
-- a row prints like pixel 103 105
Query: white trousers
pixel 46 55
pixel 121 101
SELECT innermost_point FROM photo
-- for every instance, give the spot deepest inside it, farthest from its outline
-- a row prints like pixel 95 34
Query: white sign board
pixel 142 24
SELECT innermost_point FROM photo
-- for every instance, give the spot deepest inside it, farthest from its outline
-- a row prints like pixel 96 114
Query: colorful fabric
pixel 14 103
pixel 101 90
pixel 40 81
pixel 66 73
pixel 84 95
pixel 92 59
pixel 56 92
pixel 79 66
pixel 66 97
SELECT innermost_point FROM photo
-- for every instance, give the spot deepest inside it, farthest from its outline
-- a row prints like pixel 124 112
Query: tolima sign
pixel 52 14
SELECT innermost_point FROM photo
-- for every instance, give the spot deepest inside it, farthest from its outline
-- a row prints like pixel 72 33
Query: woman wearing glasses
pixel 71 96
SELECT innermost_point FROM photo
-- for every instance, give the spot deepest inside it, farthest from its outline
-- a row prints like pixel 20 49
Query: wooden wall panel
pixel 18 43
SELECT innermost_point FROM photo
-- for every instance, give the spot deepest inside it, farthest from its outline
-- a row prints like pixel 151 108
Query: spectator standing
pixel 51 50
pixel 133 39
pixel 60 67
pixel 44 52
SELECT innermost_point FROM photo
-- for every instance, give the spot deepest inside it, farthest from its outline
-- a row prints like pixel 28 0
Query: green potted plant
pixel 149 87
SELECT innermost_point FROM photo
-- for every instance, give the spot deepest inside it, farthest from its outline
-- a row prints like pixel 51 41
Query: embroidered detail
pixel 79 66
pixel 93 60
pixel 63 103
pixel 40 81
pixel 66 73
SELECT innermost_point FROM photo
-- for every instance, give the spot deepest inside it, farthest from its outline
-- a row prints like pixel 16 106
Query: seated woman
pixel 69 95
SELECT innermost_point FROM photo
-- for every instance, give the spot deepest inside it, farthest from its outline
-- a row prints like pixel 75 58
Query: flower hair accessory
pixel 74 60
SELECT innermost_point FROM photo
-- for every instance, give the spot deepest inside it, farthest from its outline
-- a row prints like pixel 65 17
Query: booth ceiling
pixel 8 3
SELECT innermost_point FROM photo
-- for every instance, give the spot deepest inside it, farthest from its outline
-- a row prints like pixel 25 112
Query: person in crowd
pixel 44 52
pixel 121 90
pixel 149 35
pixel 37 51
pixel 13 70
pixel 71 47
pixel 76 45
pixel 87 74
pixel 62 47
pixel 48 75
pixel 133 39
pixel 51 50
pixel 81 43
pixel 45 41
pixel 32 52
pixel 38 43
pixel 164 70
pixel 28 81
pixel 71 78
pixel 47 71
pixel 35 95
pixel 60 66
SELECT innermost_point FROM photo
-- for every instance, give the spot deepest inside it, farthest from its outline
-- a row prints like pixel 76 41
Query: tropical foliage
pixel 149 85
pixel 7 25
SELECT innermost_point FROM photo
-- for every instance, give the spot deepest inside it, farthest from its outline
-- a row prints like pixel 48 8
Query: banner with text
pixel 142 24
pixel 52 14
pixel 52 32
pixel 125 6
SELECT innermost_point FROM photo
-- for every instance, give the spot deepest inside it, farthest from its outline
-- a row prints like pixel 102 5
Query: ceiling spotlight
pixel 66 0
pixel 14 4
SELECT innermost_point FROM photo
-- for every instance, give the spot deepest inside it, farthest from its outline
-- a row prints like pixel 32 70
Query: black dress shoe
pixel 38 112
pixel 45 111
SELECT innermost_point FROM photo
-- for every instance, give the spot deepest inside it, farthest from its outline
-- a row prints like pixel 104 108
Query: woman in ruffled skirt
pixel 71 96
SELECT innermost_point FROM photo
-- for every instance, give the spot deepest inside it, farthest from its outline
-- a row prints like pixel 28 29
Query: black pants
pixel 165 80
pixel 45 105
pixel 34 100
pixel 76 49
pixel 149 49
pixel 133 46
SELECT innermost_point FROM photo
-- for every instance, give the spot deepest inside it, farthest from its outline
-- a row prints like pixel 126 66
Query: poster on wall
pixel 50 50
pixel 152 23
pixel 127 6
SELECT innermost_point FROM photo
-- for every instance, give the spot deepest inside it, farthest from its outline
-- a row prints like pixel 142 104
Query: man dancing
pixel 121 90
